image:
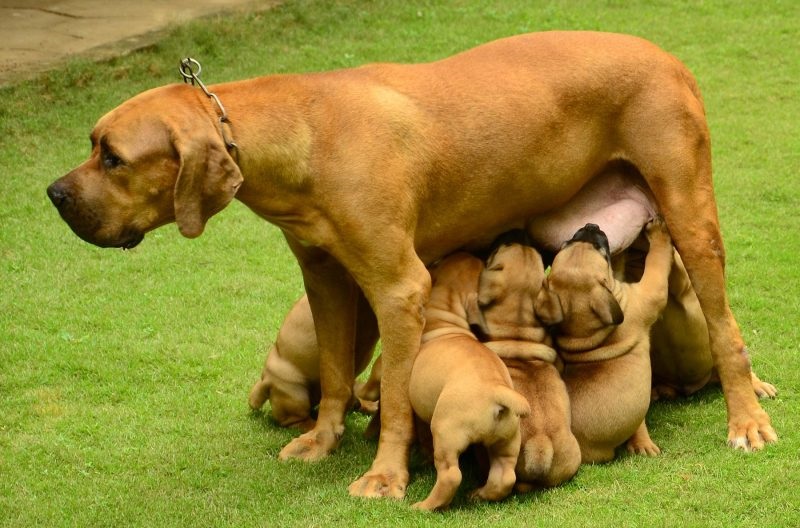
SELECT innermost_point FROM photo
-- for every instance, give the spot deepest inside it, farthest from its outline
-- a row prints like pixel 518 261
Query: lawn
pixel 124 375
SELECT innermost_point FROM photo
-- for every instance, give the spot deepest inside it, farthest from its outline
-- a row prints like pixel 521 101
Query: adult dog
pixel 373 172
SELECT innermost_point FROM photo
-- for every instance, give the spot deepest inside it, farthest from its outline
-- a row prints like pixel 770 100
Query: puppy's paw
pixel 762 388
pixel 311 446
pixel 656 230
pixel 427 505
pixel 645 447
pixel 488 494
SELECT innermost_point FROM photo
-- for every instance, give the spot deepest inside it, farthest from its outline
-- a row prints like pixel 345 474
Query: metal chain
pixel 190 71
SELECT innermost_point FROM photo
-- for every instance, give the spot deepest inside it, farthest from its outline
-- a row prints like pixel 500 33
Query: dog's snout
pixel 58 194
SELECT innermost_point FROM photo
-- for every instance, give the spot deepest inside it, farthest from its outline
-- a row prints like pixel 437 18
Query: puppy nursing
pixel 462 389
pixel 603 335
pixel 549 453
pixel 563 374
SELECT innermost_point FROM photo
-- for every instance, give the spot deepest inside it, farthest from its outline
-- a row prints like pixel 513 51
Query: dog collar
pixel 190 71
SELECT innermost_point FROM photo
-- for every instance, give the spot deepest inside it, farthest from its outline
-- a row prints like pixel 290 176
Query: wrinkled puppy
pixel 602 332
pixel 462 389
pixel 290 379
pixel 680 353
pixel 513 277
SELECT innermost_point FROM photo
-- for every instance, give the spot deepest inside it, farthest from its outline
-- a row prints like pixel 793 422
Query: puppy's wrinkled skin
pixel 373 172
pixel 603 335
pixel 462 389
pixel 549 453
pixel 680 353
pixel 290 379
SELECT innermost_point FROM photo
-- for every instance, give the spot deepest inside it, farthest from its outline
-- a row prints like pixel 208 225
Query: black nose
pixel 58 194
pixel 592 234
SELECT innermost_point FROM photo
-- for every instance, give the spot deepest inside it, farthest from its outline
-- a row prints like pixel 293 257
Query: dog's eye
pixel 496 267
pixel 111 160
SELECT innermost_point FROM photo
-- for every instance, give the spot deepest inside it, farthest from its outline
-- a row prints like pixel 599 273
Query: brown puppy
pixel 373 172
pixel 290 379
pixel 462 389
pixel 509 285
pixel 680 353
pixel 603 335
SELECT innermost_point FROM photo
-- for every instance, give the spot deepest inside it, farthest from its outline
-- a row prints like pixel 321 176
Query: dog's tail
pixel 509 400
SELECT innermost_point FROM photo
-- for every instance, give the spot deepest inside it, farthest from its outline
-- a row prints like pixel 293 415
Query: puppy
pixel 680 352
pixel 462 389
pixel 602 329
pixel 514 273
pixel 290 379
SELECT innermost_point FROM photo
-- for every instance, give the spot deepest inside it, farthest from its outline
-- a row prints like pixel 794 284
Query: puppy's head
pixel 157 158
pixel 513 268
pixel 454 286
pixel 577 296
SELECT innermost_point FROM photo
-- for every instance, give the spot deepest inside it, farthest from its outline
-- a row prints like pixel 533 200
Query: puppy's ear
pixel 207 181
pixel 475 318
pixel 486 293
pixel 548 306
pixel 606 307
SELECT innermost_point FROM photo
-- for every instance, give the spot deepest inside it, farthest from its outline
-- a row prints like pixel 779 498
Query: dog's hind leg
pixel 675 160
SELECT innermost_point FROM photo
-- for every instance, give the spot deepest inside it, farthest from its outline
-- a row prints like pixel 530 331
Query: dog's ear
pixel 207 181
pixel 547 306
pixel 475 318
pixel 606 307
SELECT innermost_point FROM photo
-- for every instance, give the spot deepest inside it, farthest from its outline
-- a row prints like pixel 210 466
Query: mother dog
pixel 374 172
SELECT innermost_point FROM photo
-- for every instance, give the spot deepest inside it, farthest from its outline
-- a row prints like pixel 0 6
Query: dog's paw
pixel 751 433
pixel 311 446
pixel 380 484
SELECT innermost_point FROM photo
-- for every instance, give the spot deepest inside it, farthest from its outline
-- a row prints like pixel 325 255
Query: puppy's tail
pixel 509 401
pixel 536 456
pixel 547 461
pixel 260 391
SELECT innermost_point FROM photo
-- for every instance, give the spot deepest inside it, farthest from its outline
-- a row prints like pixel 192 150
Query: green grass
pixel 123 375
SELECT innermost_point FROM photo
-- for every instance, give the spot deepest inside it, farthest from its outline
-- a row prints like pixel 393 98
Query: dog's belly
pixel 617 201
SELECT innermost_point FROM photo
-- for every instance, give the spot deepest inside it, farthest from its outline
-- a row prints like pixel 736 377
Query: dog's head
pixel 157 158
pixel 577 296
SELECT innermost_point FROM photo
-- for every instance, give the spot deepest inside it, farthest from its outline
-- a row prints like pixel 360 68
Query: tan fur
pixel 462 389
pixel 549 452
pixel 374 172
pixel 602 335
pixel 290 379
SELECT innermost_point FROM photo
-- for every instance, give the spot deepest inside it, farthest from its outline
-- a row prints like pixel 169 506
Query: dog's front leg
pixel 397 286
pixel 332 295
